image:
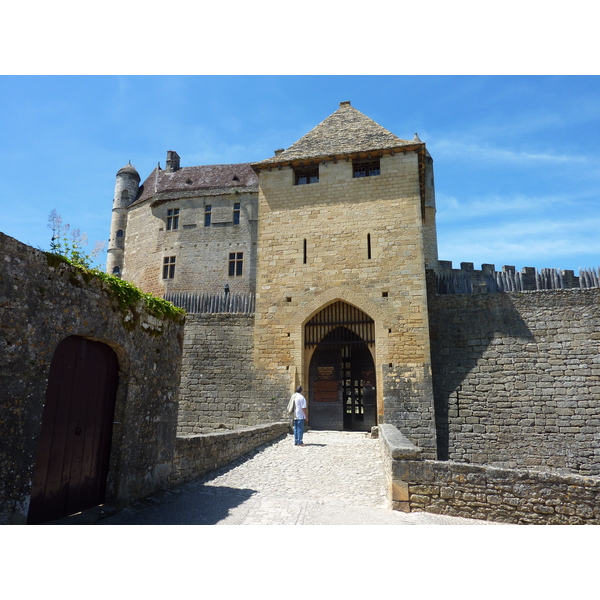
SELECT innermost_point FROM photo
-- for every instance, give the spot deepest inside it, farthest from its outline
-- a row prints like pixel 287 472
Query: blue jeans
pixel 298 431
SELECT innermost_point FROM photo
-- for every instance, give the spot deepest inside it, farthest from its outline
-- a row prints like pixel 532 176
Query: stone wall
pixel 42 301
pixel 482 492
pixel 201 253
pixel 504 495
pixel 196 455
pixel 218 382
pixel 517 379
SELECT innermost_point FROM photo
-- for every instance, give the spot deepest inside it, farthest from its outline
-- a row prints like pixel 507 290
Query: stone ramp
pixel 335 479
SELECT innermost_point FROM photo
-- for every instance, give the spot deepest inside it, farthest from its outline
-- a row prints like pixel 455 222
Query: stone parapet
pixel 502 495
pixel 396 447
pixel 482 492
pixel 468 280
pixel 196 455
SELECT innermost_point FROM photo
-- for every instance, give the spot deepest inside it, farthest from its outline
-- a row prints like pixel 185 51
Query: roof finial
pixel 416 139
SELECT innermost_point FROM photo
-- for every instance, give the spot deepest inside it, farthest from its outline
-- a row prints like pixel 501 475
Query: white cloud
pixel 451 209
pixel 466 149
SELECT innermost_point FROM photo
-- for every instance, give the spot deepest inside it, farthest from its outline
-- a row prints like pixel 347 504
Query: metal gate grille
pixel 342 323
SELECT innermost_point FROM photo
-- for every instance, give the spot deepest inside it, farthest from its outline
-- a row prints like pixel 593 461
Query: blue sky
pixel 516 158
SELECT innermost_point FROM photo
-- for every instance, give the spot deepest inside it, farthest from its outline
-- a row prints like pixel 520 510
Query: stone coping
pixel 236 431
pixel 397 445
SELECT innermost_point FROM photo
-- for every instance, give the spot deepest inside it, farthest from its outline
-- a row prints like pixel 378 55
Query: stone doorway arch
pixel 340 340
pixel 73 454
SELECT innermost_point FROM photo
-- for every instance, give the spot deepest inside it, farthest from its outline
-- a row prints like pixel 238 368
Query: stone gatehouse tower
pixel 334 236
pixel 346 230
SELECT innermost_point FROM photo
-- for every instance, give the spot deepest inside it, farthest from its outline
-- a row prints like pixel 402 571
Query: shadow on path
pixel 204 505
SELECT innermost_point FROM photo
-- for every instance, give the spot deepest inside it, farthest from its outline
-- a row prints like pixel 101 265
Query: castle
pixel 333 235
pixel 317 266
pixel 334 238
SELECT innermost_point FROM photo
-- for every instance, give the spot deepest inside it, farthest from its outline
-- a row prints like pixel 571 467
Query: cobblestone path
pixel 335 479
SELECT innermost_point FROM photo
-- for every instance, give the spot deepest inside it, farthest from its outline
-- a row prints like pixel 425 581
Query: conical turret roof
pixel 346 131
pixel 129 169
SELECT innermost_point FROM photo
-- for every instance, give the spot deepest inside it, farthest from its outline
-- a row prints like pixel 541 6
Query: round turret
pixel 126 191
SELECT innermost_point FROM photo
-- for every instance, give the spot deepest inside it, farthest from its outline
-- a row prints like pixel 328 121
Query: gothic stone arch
pixel 302 355
pixel 338 342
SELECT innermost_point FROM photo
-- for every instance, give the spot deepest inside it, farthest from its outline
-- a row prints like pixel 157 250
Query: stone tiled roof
pixel 346 131
pixel 208 180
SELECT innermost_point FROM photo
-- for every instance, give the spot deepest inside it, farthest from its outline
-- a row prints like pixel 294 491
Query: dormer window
pixel 236 178
pixel 306 175
pixel 366 168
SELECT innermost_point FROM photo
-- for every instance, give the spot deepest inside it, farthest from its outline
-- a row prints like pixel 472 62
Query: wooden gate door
pixel 74 447
pixel 358 384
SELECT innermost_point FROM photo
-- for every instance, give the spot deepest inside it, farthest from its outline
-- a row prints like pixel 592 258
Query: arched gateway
pixel 342 395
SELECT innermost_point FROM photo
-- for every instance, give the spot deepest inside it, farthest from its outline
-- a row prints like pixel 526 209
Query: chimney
pixel 278 152
pixel 172 161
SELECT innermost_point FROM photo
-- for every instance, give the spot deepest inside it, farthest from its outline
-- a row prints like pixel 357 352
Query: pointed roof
pixel 129 169
pixel 346 131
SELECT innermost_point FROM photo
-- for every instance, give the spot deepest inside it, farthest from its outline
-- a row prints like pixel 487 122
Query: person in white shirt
pixel 300 415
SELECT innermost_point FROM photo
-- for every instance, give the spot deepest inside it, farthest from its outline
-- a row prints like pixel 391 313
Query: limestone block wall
pixel 518 496
pixel 42 301
pixel 201 253
pixel 346 238
pixel 219 385
pixel 505 495
pixel 517 378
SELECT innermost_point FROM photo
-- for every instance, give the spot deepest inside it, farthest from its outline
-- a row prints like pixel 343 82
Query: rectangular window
pixel 236 262
pixel 207 214
pixel 366 168
pixel 168 267
pixel 236 213
pixel 306 175
pixel 172 219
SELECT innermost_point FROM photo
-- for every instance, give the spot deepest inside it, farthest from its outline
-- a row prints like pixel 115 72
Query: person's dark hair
pixel 299 389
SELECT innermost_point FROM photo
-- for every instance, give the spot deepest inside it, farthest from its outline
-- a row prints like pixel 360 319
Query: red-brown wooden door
pixel 74 447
